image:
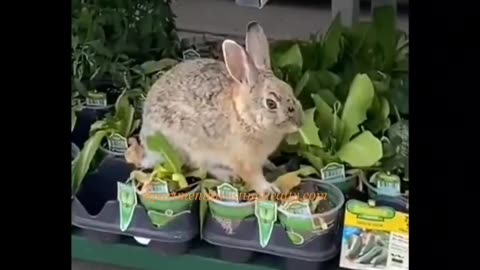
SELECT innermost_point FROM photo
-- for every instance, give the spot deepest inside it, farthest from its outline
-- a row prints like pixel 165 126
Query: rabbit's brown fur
pixel 217 114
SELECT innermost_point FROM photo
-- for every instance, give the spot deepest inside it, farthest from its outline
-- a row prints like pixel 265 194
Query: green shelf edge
pixel 138 257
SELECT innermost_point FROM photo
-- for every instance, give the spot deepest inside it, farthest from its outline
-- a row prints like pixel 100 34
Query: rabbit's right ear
pixel 257 46
pixel 238 63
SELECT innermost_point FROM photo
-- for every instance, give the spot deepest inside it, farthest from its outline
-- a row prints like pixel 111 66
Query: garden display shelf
pixel 128 253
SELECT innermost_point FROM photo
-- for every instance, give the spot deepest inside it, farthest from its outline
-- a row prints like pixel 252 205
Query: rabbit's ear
pixel 238 63
pixel 257 46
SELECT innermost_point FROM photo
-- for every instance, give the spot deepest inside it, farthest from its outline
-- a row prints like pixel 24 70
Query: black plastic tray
pixel 95 210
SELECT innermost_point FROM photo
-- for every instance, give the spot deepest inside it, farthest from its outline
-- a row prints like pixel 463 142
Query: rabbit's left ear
pixel 257 46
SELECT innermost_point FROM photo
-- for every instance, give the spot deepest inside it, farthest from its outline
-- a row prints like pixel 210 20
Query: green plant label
pixel 96 99
pixel 190 54
pixel 298 208
pixel 333 171
pixel 266 213
pixel 387 184
pixel 227 192
pixel 127 199
pixel 297 239
pixel 117 143
pixel 159 187
pixel 365 211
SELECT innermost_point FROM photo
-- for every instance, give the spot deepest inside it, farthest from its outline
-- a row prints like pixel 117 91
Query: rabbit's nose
pixel 299 119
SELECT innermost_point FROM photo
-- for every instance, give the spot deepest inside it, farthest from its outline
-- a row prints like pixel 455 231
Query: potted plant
pixel 109 136
pixel 391 177
pixel 332 139
pixel 297 224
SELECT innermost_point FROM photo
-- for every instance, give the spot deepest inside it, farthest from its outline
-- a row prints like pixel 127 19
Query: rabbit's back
pixel 190 103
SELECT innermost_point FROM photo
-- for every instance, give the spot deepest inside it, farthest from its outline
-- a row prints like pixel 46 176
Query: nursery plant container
pixel 235 229
pixel 374 192
pixel 99 214
pixel 91 113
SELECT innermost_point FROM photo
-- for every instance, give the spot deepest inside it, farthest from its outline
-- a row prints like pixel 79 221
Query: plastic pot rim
pixel 170 199
pixel 229 204
pixel 375 190
pixel 332 188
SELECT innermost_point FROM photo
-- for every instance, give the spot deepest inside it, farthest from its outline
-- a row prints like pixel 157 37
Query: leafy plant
pixel 326 65
pixel 172 171
pixel 110 38
pixel 329 137
pixel 122 123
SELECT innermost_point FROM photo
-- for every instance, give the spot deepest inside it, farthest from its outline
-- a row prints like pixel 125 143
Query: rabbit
pixel 226 117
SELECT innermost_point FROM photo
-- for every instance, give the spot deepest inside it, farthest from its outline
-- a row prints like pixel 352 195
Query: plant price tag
pixel 96 99
pixel 266 213
pixel 159 187
pixel 374 237
pixel 227 192
pixel 387 184
pixel 190 54
pixel 117 143
pixel 298 208
pixel 127 198
pixel 333 171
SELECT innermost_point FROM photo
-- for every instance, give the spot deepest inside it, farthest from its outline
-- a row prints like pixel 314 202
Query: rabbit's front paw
pixel 264 188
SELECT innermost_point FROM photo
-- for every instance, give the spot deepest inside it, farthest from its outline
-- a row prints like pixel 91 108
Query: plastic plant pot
pixel 374 192
pixel 347 184
pixel 238 239
pixel 96 210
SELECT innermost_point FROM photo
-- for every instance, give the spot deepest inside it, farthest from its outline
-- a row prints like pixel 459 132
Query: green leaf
pixel 384 23
pixel 156 66
pixel 309 130
pixel 85 157
pixel 159 143
pixel 363 150
pixel 316 161
pixel 331 43
pixel 291 57
pixel 325 119
pixel 302 83
pixel 359 100
pixel 180 179
pixel 124 113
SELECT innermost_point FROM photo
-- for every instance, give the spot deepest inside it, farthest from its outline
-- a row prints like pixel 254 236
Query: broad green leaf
pixel 155 66
pixel 180 179
pixel 302 83
pixel 359 100
pixel 159 143
pixel 331 43
pixel 324 119
pixel 384 23
pixel 293 138
pixel 328 96
pixel 82 165
pixel 309 130
pixel 363 150
pixel 316 161
pixel 291 57
pixel 124 113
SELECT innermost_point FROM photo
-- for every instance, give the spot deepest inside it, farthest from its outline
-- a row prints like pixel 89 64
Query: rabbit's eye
pixel 272 105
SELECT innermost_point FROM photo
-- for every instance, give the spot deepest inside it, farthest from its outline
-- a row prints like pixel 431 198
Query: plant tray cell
pixel 95 208
pixel 321 248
